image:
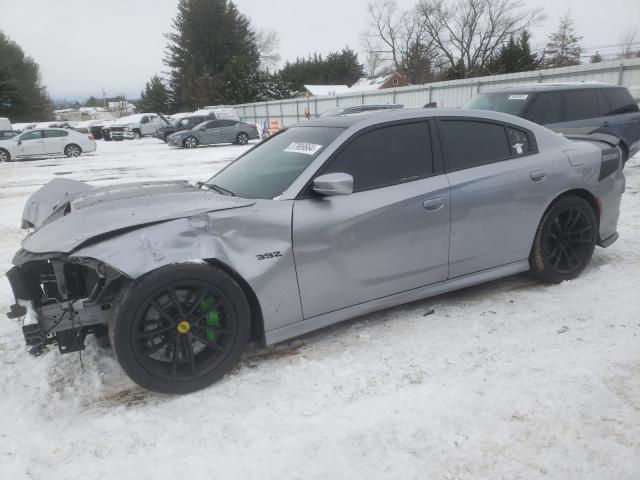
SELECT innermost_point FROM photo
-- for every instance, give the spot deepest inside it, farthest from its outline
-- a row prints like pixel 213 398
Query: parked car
pixel 376 211
pixel 4 134
pixel 21 127
pixel 179 125
pixel 359 109
pixel 215 131
pixel 52 125
pixel 220 112
pixel 105 130
pixel 134 127
pixel 46 143
pixel 96 126
pixel 567 107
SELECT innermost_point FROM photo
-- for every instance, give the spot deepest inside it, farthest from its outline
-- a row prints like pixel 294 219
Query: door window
pixel 580 105
pixel 55 134
pixel 470 143
pixel 386 156
pixel 518 142
pixel 546 109
pixel 227 123
pixel 31 136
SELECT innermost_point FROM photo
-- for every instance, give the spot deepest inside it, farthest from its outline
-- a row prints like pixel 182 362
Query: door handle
pixel 605 124
pixel 433 204
pixel 538 175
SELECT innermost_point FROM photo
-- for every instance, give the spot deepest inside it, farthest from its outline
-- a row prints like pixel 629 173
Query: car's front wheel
pixel 565 240
pixel 4 155
pixel 180 328
pixel 72 150
pixel 190 142
pixel 242 138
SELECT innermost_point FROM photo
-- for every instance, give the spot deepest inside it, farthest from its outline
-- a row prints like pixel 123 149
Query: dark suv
pixel 180 124
pixel 570 107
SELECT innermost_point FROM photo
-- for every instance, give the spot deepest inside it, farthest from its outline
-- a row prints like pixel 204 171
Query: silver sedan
pixel 321 222
pixel 214 131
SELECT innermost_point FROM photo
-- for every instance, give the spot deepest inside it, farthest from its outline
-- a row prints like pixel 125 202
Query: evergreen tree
pixel 515 56
pixel 154 98
pixel 212 54
pixel 338 68
pixel 563 48
pixel 91 102
pixel 596 58
pixel 22 96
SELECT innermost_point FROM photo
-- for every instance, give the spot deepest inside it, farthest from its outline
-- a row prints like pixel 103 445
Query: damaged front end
pixel 62 299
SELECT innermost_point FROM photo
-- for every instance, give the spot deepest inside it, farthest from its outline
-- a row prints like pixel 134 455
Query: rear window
pixel 506 102
pixel 619 101
pixel 469 144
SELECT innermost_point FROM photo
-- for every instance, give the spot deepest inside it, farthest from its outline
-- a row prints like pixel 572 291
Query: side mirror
pixel 333 184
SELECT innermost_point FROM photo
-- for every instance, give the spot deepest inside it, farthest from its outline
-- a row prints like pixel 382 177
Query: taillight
pixel 91 137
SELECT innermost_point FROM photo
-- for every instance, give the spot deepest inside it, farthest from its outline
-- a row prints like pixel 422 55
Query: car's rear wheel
pixel 4 155
pixel 242 138
pixel 72 150
pixel 181 328
pixel 565 240
pixel 190 142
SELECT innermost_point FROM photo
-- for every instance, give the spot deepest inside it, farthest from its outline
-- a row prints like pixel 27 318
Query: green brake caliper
pixel 212 318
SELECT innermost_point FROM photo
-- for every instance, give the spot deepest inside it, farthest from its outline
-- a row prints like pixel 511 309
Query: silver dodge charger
pixel 327 220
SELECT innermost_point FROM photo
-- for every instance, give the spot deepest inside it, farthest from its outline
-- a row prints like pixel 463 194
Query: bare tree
pixel 400 37
pixel 373 62
pixel 268 42
pixel 468 33
pixel 630 46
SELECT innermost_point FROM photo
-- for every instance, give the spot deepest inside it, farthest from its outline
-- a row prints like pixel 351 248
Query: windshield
pixel 506 102
pixel 334 112
pixel 267 170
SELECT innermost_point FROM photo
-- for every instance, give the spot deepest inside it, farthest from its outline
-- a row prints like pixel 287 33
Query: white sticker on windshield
pixel 306 148
pixel 518 97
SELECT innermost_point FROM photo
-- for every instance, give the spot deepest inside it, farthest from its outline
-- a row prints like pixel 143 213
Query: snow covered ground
pixel 510 379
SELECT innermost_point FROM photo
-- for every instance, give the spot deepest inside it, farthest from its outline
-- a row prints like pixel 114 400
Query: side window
pixel 386 156
pixel 518 142
pixel 580 105
pixel 227 123
pixel 55 134
pixel 144 120
pixel 469 144
pixel 619 101
pixel 31 136
pixel 546 109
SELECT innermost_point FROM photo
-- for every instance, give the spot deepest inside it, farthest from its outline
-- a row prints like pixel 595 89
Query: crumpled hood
pixel 66 213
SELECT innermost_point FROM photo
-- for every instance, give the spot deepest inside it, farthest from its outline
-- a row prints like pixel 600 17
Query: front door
pixel 391 235
pixel 500 186
pixel 31 144
pixel 212 133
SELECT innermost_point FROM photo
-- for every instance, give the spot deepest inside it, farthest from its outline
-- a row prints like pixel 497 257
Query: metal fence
pixel 449 94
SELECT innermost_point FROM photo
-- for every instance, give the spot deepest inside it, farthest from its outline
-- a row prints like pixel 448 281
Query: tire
pixel 200 329
pixel 4 155
pixel 565 240
pixel 190 142
pixel 242 138
pixel 72 150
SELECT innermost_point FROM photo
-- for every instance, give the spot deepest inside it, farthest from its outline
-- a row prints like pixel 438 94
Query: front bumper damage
pixel 62 299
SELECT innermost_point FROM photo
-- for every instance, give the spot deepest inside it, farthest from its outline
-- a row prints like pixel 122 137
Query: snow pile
pixel 511 379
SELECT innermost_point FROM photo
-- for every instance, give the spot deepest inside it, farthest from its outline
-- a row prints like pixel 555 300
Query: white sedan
pixel 45 143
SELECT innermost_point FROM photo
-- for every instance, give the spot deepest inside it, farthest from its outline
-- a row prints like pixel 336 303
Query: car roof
pixel 551 87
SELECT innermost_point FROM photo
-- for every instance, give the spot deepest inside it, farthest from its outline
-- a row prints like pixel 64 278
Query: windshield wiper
pixel 217 188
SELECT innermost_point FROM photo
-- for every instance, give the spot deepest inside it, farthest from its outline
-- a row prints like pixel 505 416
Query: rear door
pixel 31 144
pixel 621 116
pixel 229 130
pixel 391 235
pixel 55 141
pixel 500 185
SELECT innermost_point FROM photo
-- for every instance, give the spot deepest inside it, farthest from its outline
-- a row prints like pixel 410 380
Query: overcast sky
pixel 83 46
